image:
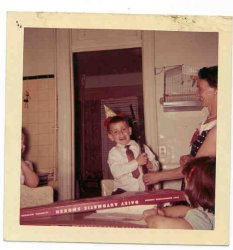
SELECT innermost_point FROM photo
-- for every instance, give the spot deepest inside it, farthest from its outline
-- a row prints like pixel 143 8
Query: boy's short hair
pixel 200 176
pixel 116 119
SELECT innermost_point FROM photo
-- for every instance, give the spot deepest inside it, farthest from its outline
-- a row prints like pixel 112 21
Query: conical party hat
pixel 108 112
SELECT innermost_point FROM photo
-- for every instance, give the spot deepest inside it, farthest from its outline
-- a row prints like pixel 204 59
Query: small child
pixel 200 191
pixel 28 176
pixel 125 166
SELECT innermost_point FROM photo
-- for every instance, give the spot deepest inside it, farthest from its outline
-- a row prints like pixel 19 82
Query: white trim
pixel 149 91
pixel 73 178
pixel 65 112
pixel 80 44
pixel 105 47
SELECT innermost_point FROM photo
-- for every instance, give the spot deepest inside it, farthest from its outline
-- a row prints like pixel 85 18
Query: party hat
pixel 108 112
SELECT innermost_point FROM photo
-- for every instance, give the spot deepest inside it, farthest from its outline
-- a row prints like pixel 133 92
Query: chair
pixel 107 186
pixel 31 197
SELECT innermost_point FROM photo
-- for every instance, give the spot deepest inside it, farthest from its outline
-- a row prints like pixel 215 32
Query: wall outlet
pixel 162 151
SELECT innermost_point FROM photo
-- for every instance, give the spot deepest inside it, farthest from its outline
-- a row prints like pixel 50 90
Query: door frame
pixel 65 89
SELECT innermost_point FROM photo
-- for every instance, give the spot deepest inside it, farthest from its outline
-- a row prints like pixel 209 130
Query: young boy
pixel 127 170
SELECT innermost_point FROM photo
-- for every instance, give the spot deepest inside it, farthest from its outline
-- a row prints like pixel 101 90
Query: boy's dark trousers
pixel 118 191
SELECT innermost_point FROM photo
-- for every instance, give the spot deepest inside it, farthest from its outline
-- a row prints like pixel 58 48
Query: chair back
pixel 107 186
pixel 31 197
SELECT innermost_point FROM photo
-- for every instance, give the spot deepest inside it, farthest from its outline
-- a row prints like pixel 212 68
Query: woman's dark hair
pixel 210 75
pixel 200 177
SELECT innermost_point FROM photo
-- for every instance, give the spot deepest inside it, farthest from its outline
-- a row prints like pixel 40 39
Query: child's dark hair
pixel 24 131
pixel 200 177
pixel 26 140
pixel 116 119
pixel 210 75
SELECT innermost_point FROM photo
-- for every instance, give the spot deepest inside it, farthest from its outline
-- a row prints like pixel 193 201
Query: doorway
pixel 113 77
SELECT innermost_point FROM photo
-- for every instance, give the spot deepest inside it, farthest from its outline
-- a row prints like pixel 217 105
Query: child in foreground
pixel 127 170
pixel 200 193
pixel 28 176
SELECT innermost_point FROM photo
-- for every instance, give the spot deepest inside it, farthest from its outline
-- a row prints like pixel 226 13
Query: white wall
pixel 175 129
pixel 40 116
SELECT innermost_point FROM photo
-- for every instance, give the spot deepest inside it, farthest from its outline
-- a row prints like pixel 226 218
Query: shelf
pixel 174 106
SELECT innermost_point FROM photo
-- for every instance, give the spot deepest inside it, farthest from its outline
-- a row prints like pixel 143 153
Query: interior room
pixel 69 74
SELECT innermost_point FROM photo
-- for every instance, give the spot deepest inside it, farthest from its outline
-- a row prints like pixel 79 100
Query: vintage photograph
pixel 121 128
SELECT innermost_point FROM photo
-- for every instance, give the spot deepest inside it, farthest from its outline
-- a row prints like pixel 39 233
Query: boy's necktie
pixel 130 157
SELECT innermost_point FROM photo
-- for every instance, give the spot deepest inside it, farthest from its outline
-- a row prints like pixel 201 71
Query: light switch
pixel 162 151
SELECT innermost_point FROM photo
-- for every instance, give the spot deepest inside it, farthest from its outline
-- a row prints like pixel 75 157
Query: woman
pixel 204 139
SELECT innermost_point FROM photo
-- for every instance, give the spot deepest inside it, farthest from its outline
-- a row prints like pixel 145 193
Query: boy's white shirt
pixel 121 169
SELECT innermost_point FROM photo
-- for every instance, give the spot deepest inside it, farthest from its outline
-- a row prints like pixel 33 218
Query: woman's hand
pixel 153 216
pixel 184 159
pixel 151 178
pixel 160 211
pixel 149 212
pixel 153 211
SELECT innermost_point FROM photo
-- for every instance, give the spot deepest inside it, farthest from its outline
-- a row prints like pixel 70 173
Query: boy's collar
pixel 131 142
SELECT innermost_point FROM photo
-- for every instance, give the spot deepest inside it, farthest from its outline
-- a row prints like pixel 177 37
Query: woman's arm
pixel 169 217
pixel 176 211
pixel 163 222
pixel 30 177
pixel 208 148
pixel 153 178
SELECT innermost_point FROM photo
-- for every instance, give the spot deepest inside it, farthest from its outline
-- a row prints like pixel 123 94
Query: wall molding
pixel 66 169
pixel 149 91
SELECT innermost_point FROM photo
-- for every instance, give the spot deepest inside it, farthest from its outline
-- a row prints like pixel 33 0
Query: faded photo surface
pixel 68 77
